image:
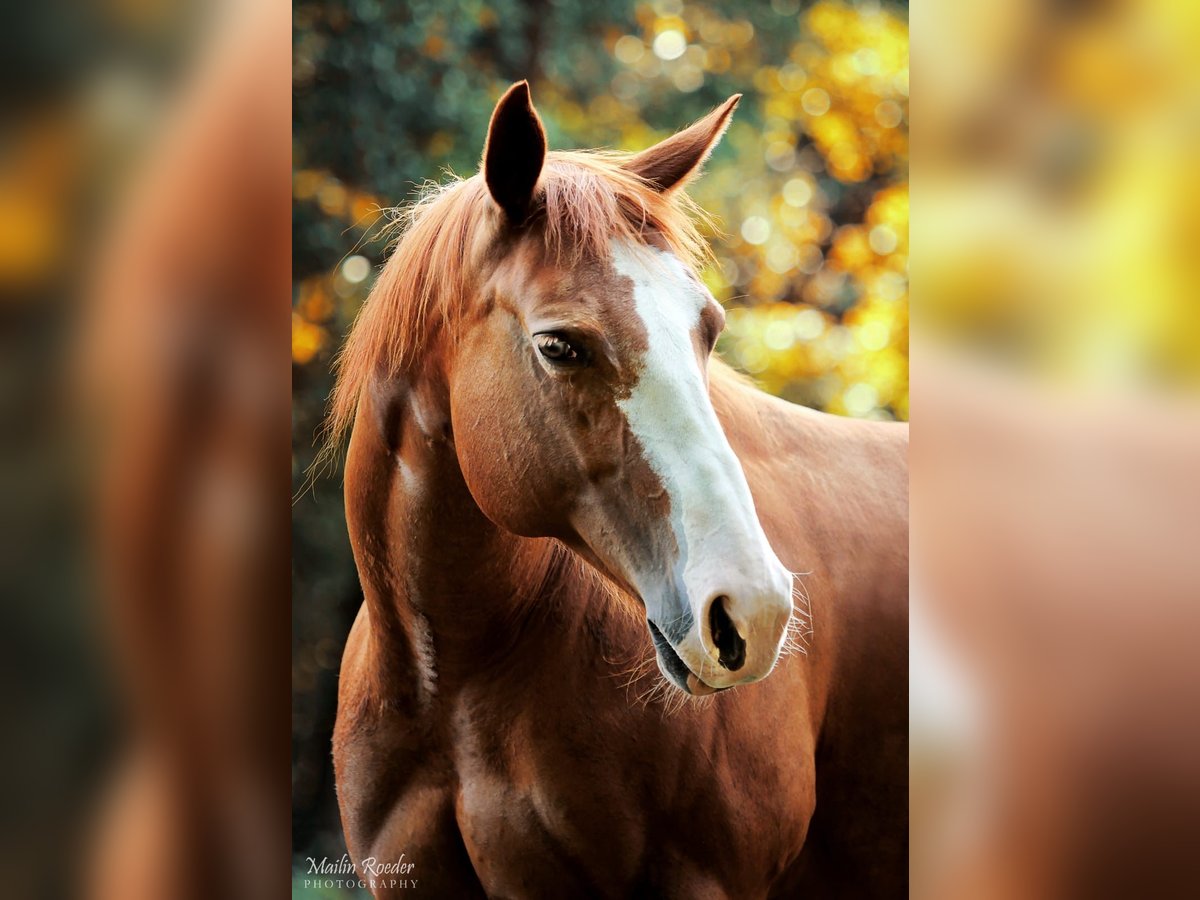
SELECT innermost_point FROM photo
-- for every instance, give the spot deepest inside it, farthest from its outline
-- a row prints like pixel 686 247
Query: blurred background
pixel 809 190
pixel 73 110
pixel 144 496
pixel 1055 457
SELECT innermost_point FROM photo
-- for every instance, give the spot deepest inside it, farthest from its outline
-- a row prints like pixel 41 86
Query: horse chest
pixel 607 819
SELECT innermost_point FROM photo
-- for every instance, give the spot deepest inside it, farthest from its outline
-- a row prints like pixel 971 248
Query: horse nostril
pixel 731 648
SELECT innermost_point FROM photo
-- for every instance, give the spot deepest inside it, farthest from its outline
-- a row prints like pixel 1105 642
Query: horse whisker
pixel 799 632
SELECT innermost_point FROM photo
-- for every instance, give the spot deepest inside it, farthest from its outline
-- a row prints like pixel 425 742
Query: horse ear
pixel 514 152
pixel 673 162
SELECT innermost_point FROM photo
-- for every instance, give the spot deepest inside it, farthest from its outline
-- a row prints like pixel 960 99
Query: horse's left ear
pixel 514 152
pixel 673 162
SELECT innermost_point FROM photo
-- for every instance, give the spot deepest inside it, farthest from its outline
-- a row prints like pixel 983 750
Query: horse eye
pixel 557 349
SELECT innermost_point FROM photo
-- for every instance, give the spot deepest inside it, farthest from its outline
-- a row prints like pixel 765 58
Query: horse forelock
pixel 584 199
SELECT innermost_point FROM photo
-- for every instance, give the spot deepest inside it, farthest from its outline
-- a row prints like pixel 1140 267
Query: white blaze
pixel 721 541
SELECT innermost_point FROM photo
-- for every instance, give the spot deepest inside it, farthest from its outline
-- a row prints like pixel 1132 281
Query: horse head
pixel 579 397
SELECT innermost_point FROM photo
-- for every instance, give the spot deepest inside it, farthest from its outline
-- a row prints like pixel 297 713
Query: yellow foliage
pixel 307 339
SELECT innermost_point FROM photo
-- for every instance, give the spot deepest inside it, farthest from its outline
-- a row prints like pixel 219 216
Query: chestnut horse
pixel 549 484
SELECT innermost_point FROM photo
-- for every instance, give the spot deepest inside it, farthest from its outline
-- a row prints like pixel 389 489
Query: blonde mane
pixel 584 199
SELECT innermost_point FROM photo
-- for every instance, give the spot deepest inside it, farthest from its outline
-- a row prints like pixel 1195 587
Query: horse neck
pixel 446 589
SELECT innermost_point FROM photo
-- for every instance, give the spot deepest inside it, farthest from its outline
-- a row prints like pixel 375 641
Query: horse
pixel 585 544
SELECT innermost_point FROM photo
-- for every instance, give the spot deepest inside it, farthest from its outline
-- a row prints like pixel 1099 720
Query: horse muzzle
pixel 734 638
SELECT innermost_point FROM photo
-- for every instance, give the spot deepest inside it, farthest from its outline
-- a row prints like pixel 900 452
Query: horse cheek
pixel 505 469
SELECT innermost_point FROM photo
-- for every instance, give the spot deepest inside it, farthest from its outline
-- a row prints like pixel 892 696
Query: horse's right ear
pixel 514 153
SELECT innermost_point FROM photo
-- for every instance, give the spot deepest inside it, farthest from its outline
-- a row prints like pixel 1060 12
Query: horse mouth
pixel 676 669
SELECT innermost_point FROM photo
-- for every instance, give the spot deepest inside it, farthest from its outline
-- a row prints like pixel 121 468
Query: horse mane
pixel 584 199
